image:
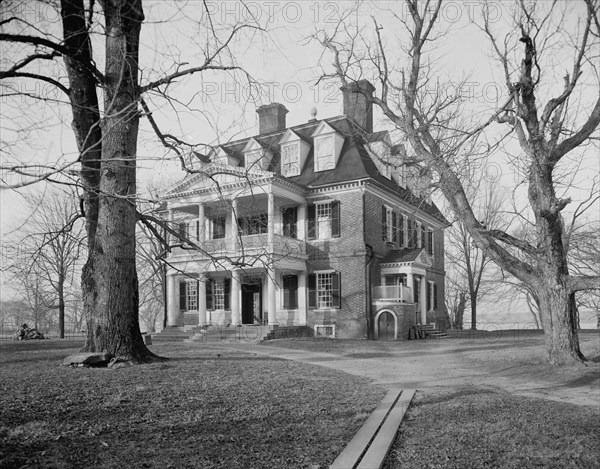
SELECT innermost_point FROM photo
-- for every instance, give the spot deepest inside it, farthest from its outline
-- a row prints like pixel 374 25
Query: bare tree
pixel 107 137
pixel 471 263
pixel 441 137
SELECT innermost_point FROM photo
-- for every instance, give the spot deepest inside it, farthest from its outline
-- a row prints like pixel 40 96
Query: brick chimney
pixel 271 117
pixel 357 106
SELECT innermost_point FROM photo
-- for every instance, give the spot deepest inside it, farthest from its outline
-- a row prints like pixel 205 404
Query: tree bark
pixel 114 326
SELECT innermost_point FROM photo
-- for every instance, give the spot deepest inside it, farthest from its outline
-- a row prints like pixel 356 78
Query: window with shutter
pixel 401 229
pixel 335 219
pixel 182 296
pixel 312 290
pixel 290 292
pixel 435 296
pixel 336 290
pixel 394 228
pixel 312 221
pixel 429 295
pixel 209 295
pixel 227 294
pixel 430 242
pixel 290 220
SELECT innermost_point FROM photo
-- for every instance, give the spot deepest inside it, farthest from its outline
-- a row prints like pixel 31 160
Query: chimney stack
pixel 271 117
pixel 357 104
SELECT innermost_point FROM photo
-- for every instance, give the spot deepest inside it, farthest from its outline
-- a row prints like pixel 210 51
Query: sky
pixel 285 59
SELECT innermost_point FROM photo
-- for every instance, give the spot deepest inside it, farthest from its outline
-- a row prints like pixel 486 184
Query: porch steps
pixel 228 334
pixel 172 334
pixel 370 446
pixel 432 333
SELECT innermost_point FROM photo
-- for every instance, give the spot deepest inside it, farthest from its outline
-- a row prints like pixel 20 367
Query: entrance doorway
pixel 251 303
pixel 386 326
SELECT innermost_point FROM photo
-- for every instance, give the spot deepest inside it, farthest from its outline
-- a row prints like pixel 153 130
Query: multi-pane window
pixel 218 295
pixel 389 225
pixel 289 217
pixel 324 159
pixel 192 295
pixel 401 229
pixel 290 159
pixel 419 228
pixel 324 290
pixel 324 220
pixel 253 158
pixel 429 241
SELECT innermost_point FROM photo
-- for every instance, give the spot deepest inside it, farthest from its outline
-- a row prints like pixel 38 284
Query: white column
pixel 172 300
pixel 201 222
pixel 202 301
pixel 236 313
pixel 271 222
pixel 301 222
pixel 411 284
pixel 271 297
pixel 423 300
pixel 302 299
pixel 234 227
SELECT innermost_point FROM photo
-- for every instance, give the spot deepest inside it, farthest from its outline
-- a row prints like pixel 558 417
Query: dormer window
pixel 252 159
pixel 290 159
pixel 256 157
pixel 325 159
pixel 328 145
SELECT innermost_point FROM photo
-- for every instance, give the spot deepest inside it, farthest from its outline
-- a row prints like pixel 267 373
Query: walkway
pixel 503 365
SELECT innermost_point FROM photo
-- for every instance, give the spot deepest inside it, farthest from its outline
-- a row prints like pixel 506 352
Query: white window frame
pixel 218 294
pixel 389 218
pixel 191 294
pixel 324 223
pixel 430 292
pixel 420 243
pixel 324 162
pixel 252 159
pixel 329 330
pixel 290 162
pixel 324 294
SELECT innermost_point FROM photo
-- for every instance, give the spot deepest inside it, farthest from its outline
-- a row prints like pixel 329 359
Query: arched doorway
pixel 387 327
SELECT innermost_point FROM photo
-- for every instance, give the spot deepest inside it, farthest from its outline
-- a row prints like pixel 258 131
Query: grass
pixel 205 408
pixel 474 428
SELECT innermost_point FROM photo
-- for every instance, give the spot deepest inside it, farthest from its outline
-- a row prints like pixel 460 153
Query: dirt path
pixel 515 367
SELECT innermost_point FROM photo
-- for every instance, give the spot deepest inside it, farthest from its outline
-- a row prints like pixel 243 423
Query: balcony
pixel 394 293
pixel 250 245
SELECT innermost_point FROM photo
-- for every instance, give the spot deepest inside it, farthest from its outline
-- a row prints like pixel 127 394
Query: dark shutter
pixel 435 296
pixel 227 291
pixel 429 293
pixel 415 290
pixel 312 290
pixel 209 295
pixel 401 228
pixel 290 292
pixel 197 229
pixel 423 235
pixel 394 228
pixel 182 228
pixel 290 220
pixel 430 242
pixel 415 239
pixel 182 296
pixel 336 290
pixel 335 219
pixel 312 221
pixel 383 223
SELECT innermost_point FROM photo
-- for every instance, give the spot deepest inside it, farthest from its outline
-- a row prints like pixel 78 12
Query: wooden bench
pixel 370 446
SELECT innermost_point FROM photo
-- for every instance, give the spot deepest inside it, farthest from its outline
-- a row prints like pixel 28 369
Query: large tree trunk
pixel 114 326
pixel 558 316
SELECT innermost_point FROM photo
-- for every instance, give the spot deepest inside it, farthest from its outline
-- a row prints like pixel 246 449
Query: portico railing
pixel 393 293
pixel 256 245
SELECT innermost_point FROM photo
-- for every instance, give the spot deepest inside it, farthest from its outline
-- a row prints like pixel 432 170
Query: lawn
pixel 204 408
pixel 476 428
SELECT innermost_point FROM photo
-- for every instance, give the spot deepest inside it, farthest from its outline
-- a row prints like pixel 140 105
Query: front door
pixel 385 326
pixel 251 303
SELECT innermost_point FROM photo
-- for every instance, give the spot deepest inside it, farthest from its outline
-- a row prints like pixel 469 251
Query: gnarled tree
pixel 438 132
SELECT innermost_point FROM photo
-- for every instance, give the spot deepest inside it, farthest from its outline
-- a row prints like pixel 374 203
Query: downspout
pixel 370 258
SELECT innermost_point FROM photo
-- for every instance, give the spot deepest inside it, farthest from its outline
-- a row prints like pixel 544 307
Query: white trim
pixel 318 326
pixel 379 313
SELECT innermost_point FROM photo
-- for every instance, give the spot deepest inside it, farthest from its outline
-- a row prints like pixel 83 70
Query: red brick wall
pixel 346 255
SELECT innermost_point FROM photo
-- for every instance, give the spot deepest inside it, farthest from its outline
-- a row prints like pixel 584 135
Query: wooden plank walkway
pixel 371 444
